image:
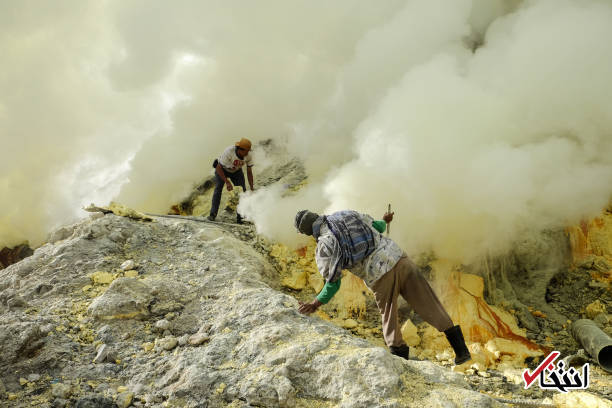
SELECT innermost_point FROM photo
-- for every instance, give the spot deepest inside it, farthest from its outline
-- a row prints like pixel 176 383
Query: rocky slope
pixel 183 313
pixel 121 311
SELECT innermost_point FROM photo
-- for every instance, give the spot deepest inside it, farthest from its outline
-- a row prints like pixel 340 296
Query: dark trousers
pixel 236 178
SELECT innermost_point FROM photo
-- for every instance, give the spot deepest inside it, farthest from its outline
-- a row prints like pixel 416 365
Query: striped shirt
pixel 384 257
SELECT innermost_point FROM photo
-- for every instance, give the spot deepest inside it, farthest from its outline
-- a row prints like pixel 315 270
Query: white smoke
pixel 65 132
pixel 385 102
pixel 273 211
pixel 476 149
pixel 473 148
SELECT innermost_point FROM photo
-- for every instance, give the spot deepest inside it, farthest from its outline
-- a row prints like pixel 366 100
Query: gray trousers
pixel 405 279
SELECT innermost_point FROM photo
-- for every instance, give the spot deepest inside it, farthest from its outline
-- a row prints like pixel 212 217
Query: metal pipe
pixel 597 343
pixel 199 219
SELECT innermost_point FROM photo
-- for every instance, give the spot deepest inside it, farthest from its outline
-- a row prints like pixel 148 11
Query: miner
pixel 354 241
pixel 229 167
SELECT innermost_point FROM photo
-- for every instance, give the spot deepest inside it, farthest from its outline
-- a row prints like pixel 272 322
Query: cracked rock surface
pixel 196 321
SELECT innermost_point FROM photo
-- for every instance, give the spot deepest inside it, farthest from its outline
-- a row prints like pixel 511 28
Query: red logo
pixel 556 377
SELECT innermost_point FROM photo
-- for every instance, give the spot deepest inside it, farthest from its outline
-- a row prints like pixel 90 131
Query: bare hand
pixel 229 186
pixel 388 217
pixel 308 308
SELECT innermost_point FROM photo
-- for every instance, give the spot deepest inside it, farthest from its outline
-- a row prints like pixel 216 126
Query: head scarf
pixel 304 220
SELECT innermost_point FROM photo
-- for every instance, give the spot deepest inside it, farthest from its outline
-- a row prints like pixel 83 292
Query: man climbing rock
pixel 229 167
pixel 354 241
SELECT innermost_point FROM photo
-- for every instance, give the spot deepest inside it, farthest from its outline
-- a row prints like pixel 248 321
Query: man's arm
pixel 388 217
pixel 324 296
pixel 326 263
pixel 378 225
pixel 221 174
pixel 308 308
pixel 328 291
pixel 250 176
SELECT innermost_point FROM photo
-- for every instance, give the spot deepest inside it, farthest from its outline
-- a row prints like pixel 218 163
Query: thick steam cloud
pixel 475 119
pixel 477 148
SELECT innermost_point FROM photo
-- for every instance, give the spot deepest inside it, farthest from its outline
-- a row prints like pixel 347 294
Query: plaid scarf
pixel 356 239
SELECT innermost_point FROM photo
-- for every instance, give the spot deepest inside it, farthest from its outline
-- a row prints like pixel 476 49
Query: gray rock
pixel 33 377
pixel 138 388
pixel 162 325
pixel 102 388
pixel 105 354
pixel 59 403
pixel 198 338
pixel 436 374
pixel 594 262
pixel 94 231
pixel 96 401
pixel 6 294
pixel 116 236
pixel 23 269
pixel 125 298
pixel 128 265
pixel 124 399
pixel 19 340
pixel 168 343
pixel 453 397
pixel 16 302
pixel 60 234
pixel 182 341
pixel 46 329
pixel 41 289
pixel 601 319
pixel 96 215
pixel 169 296
pixel 105 334
pixel 61 390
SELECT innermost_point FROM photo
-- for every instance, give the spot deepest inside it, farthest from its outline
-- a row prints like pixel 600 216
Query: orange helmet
pixel 244 144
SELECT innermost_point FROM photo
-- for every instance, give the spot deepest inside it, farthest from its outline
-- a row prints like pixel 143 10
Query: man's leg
pixel 417 292
pixel 238 180
pixel 386 290
pixel 216 198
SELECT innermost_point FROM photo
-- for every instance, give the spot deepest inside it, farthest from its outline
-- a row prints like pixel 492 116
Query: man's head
pixel 243 146
pixel 304 220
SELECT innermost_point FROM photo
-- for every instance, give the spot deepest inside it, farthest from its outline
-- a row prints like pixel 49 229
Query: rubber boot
pixel 455 338
pixel 401 351
pixel 239 219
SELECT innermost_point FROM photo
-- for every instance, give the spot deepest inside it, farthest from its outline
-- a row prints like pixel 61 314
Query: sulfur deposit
pixel 202 321
pixel 591 244
pixel 515 307
pixel 126 309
